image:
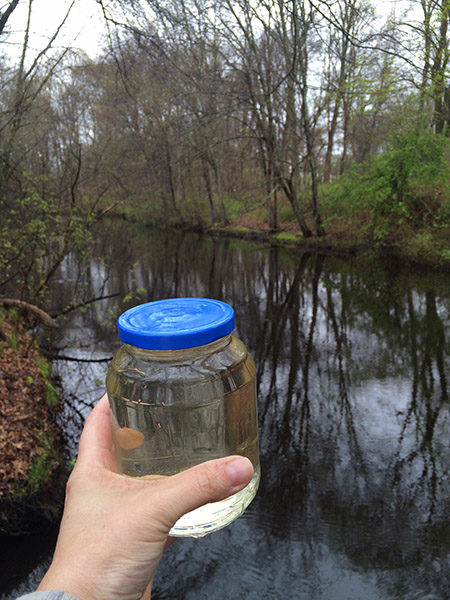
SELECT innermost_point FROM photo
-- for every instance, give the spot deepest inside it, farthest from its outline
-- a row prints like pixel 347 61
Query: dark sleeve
pixel 50 595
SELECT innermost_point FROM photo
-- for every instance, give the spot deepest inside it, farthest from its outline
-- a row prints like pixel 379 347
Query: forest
pixel 307 119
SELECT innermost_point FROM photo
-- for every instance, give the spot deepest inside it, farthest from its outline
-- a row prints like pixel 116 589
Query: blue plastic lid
pixel 176 323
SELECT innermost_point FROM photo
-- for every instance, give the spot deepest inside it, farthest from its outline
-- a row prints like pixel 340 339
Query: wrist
pixel 82 586
pixel 65 582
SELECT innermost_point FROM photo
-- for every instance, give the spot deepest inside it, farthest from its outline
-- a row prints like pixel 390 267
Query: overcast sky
pixel 85 27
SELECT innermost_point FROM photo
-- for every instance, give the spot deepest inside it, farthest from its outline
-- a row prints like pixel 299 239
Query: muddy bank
pixel 32 466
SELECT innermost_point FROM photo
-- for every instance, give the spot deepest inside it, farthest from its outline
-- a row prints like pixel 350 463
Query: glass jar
pixel 182 391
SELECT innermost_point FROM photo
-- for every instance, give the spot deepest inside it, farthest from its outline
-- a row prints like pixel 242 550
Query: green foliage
pixel 394 188
pixel 13 315
pixel 235 207
pixel 442 217
pixel 425 246
pixel 40 472
pixel 234 229
pixel 14 340
pixel 445 256
pixel 132 295
pixel 36 234
pixel 285 212
pixel 52 397
pixel 239 204
pixel 44 367
pixel 287 238
pixel 128 297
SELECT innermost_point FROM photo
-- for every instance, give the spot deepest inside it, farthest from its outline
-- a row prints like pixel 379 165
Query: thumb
pixel 208 482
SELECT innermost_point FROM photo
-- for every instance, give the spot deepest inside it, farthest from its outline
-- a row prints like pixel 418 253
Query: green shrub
pixel 36 234
pixel 14 340
pixel 394 187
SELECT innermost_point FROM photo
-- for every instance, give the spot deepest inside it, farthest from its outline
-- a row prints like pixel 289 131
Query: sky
pixel 85 26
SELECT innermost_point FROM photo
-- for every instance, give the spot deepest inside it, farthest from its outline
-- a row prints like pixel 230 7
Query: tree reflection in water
pixel 352 362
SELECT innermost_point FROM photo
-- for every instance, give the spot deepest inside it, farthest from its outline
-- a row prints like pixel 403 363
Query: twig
pixel 81 304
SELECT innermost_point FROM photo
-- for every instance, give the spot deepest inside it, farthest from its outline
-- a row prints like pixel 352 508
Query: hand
pixel 114 528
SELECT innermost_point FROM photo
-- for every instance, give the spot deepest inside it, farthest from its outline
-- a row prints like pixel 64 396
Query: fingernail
pixel 239 470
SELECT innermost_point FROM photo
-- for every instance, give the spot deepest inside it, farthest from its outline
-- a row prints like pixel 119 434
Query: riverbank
pixel 423 247
pixel 31 457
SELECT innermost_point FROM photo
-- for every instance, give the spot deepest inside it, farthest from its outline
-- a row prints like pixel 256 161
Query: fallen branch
pixel 44 317
pixel 88 360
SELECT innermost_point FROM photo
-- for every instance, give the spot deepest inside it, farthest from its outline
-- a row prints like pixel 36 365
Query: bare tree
pixel 4 16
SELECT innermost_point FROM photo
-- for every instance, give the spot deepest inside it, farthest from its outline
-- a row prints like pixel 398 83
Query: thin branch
pixel 83 304
pixel 83 360
pixel 5 15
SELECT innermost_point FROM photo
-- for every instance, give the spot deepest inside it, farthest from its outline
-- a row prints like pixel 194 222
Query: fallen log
pixel 44 317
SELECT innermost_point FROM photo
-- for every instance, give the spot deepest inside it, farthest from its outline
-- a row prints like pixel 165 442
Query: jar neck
pixel 180 354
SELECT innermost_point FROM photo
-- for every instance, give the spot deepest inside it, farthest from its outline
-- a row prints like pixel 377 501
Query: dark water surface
pixel 353 366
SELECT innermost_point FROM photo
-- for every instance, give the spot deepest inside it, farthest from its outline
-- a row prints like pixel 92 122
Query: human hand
pixel 114 528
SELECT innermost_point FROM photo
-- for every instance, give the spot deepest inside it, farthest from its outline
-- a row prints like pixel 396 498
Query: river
pixel 352 362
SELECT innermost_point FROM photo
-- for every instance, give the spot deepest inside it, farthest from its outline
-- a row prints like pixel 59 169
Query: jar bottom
pixel 216 515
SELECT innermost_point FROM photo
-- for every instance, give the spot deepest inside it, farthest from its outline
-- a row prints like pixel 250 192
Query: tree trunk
pixel 439 69
pixel 331 133
pixel 209 191
pixel 310 159
pixel 170 181
pixel 288 189
pixel 4 16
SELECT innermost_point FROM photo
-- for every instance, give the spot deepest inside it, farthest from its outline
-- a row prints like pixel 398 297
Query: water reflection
pixel 352 366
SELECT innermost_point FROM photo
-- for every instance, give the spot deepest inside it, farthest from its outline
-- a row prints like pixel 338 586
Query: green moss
pixel 52 397
pixel 14 340
pixel 231 229
pixel 286 238
pixel 40 472
pixel 44 367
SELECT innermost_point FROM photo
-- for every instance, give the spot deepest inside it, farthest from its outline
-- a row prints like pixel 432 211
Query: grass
pixel 52 396
pixel 39 472
pixel 14 341
pixel 284 237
